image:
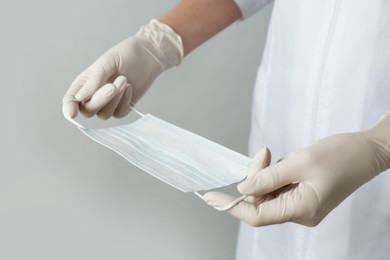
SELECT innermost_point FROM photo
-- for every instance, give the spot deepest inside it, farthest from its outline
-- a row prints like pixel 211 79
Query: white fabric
pixel 182 159
pixel 249 7
pixel 325 70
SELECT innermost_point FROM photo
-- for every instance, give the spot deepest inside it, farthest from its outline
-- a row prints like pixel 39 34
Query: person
pixel 323 82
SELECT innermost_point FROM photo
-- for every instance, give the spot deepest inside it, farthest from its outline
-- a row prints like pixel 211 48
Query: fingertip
pixel 261 160
pixel 242 187
pixel 120 81
pixel 88 90
pixel 70 110
pixel 99 73
pixel 101 98
pixel 103 116
pixel 123 108
pixel 209 196
pixel 250 186
pixel 86 113
pixel 119 113
pixel 267 157
pixel 220 201
pixel 263 150
pixel 82 95
pixel 263 156
pixel 260 156
pixel 110 90
pixel 214 198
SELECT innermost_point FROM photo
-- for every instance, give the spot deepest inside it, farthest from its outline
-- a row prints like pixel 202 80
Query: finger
pixel 244 210
pixel 272 210
pixel 270 179
pixel 218 199
pixel 104 95
pixel 70 105
pixel 123 107
pixel 283 189
pixel 273 194
pixel 256 199
pixel 99 73
pixel 298 203
pixel 107 111
pixel 261 160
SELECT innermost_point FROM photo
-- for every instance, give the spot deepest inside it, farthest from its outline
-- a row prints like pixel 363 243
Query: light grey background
pixel 62 196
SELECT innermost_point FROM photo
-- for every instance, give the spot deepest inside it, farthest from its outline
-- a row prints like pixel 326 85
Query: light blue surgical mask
pixel 180 158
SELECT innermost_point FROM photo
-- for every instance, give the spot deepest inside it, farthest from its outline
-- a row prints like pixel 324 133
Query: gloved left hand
pixel 309 183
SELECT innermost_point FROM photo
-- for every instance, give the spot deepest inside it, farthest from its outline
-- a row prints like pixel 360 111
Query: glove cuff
pixel 162 42
pixel 379 134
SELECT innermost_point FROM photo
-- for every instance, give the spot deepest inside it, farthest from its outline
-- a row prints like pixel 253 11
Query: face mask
pixel 180 158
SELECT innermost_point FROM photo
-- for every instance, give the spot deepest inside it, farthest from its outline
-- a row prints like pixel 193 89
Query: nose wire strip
pixel 227 206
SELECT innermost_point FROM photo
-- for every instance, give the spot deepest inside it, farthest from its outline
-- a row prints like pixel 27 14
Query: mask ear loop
pixel 227 206
pixel 131 106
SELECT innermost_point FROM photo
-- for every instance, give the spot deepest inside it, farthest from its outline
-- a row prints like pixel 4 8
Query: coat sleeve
pixel 249 7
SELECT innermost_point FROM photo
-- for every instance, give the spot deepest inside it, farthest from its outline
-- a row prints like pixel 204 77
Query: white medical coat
pixel 325 70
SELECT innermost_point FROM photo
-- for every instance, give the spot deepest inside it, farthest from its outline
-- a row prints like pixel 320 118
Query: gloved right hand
pixel 102 88
pixel 309 183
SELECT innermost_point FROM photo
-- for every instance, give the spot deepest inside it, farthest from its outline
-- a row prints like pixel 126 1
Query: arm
pixel 196 21
pixel 124 73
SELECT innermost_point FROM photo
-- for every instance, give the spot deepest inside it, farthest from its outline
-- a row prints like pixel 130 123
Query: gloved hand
pixel 140 59
pixel 307 184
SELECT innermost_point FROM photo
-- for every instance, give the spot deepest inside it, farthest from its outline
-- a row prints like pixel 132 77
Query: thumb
pixel 269 179
pixel 99 73
pixel 261 160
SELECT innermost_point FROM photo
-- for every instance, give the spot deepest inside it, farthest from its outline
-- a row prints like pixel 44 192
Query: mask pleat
pixel 176 156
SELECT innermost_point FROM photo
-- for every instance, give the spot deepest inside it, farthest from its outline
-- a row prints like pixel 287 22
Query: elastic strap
pixel 227 206
pixel 135 110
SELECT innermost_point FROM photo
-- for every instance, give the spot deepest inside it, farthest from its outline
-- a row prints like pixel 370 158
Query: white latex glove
pixel 307 184
pixel 139 59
